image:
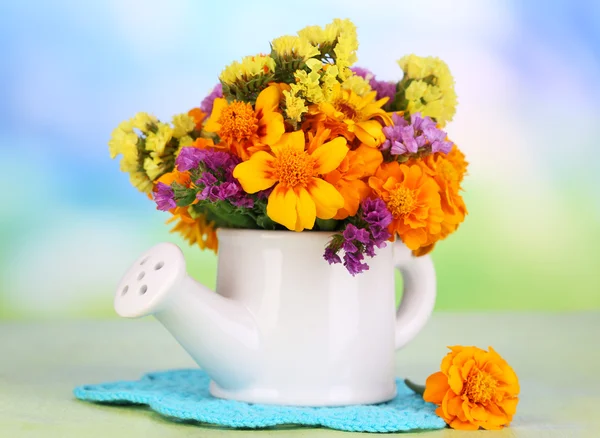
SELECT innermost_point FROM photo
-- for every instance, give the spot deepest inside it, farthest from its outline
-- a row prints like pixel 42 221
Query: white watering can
pixel 284 326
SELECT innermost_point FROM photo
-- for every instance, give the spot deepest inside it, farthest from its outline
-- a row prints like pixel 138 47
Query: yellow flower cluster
pixel 340 37
pixel 147 148
pixel 251 66
pixel 358 84
pixel 429 88
pixel 294 47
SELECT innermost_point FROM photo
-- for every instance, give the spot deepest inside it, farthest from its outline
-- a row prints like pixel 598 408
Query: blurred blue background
pixel 527 80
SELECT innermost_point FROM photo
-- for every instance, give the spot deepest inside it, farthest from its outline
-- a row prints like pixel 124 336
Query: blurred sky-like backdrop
pixel 527 76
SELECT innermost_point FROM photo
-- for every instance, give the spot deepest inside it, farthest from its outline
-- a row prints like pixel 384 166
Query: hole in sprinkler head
pixel 159 265
pixel 144 261
pixel 141 275
pixel 125 289
pixel 143 289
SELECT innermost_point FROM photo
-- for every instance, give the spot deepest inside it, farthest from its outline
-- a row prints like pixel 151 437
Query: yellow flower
pixel 474 389
pixel 346 47
pixel 338 37
pixel 246 129
pixel 352 116
pixel 329 82
pixel 294 106
pixel 154 167
pixel 251 66
pixel 318 36
pixel 157 141
pixel 300 194
pixel 430 89
pixel 308 86
pixel 293 47
pixel 122 137
pixel 143 121
pixel 357 84
pixel 185 141
pixel 183 124
pixel 140 181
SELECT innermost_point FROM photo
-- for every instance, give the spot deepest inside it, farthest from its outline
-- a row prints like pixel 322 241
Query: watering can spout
pixel 219 333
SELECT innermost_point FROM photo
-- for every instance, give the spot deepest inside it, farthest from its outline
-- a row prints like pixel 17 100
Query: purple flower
pixel 406 138
pixel 353 233
pixel 376 214
pixel 331 256
pixel 189 158
pixel 383 88
pixel 164 197
pixel 353 263
pixel 207 103
pixel 216 182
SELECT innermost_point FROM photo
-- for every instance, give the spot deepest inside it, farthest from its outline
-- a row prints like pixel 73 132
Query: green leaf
pixel 418 389
pixel 327 224
pixel 265 222
pixel 227 216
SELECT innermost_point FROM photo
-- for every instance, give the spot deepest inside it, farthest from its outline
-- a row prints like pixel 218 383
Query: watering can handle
pixel 418 298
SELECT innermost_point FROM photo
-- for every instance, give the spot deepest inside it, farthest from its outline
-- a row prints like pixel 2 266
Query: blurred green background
pixel 527 80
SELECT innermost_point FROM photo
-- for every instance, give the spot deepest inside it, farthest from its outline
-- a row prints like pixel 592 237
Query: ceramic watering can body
pixel 284 326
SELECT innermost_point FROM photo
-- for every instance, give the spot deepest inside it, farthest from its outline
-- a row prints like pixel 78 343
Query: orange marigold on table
pixel 413 198
pixel 475 388
pixel 246 129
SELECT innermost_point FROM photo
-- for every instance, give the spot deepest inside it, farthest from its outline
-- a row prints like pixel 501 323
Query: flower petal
pixel 462 425
pixel 268 99
pixel 306 210
pixel 455 380
pixel 273 128
pixel 281 206
pixel 295 140
pixel 213 125
pixel 329 155
pixel 255 174
pixel 327 199
pixel 436 387
pixel 370 132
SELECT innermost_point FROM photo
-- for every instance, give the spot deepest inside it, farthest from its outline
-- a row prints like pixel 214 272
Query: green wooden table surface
pixel 557 358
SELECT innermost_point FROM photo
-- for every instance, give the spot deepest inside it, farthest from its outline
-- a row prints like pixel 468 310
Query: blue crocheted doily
pixel 183 394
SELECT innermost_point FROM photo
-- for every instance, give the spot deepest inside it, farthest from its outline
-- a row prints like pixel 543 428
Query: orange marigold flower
pixel 447 171
pixel 198 115
pixel 246 129
pixel 196 231
pixel 348 178
pixel 474 389
pixel 352 116
pixel 413 198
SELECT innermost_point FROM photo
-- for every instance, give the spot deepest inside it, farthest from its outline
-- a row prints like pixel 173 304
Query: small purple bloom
pixel 217 182
pixel 207 103
pixel 353 233
pixel 383 88
pixel 164 197
pixel 331 256
pixel 189 158
pixel 356 242
pixel 404 138
pixel 353 263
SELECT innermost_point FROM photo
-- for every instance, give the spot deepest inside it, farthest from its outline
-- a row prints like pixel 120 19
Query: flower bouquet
pixel 299 139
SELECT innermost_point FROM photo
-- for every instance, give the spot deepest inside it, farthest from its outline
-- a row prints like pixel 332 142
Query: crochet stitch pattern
pixel 184 395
